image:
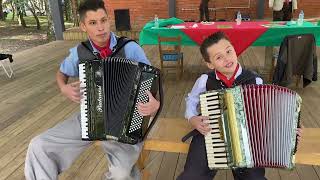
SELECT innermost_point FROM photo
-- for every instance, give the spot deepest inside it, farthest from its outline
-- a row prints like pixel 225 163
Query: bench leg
pixel 143 158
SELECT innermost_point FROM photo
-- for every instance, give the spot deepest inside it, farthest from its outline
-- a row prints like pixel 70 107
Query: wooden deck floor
pixel 31 103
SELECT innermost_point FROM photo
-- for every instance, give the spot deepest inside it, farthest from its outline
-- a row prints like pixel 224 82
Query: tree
pixel 67 10
pixel 1 11
pixel 13 9
pixel 32 7
pixel 74 7
pixel 50 30
pixel 20 5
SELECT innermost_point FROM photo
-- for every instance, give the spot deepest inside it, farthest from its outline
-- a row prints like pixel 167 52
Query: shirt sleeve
pixel 135 52
pixel 193 98
pixel 69 65
pixel 259 80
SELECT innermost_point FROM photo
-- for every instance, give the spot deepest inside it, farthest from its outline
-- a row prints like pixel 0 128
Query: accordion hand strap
pixel 159 110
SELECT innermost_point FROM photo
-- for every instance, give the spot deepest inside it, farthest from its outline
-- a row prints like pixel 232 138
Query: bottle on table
pixel 239 18
pixel 300 19
pixel 156 21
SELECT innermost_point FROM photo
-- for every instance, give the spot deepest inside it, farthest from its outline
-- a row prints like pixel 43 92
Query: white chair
pixel 5 62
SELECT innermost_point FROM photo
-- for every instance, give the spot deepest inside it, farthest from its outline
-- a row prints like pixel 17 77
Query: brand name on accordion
pixel 99 106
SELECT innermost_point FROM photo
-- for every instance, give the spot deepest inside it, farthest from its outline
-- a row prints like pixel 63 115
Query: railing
pixel 75 34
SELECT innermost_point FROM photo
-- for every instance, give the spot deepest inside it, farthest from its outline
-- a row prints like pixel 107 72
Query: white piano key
pixel 214 112
pixel 83 101
pixel 210 103
pixel 212 150
pixel 213 135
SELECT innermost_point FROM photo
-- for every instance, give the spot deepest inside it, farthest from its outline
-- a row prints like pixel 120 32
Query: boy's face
pixel 97 26
pixel 223 57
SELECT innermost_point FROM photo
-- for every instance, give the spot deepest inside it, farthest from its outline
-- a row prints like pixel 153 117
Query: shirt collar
pixel 237 74
pixel 113 42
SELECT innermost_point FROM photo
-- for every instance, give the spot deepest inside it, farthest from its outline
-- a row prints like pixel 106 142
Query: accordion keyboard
pixel 215 145
pixel 83 102
pixel 143 98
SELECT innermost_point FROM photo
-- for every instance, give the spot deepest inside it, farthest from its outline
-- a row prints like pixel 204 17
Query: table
pixel 253 33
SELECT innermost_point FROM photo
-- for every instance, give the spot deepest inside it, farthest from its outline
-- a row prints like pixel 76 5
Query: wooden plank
pixel 180 165
pixel 14 152
pixel 289 174
pixel 317 170
pixel 29 119
pixel 90 164
pixel 309 148
pixel 18 174
pixel 154 164
pixel 272 174
pixel 166 136
pixel 28 113
pixel 168 166
pixel 100 169
pixel 75 168
pixel 307 172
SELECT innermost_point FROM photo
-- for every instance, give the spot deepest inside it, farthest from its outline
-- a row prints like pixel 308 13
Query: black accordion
pixel 112 88
pixel 251 126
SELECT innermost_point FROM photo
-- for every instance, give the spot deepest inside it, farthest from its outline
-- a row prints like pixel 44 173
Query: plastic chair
pixel 170 51
pixel 5 63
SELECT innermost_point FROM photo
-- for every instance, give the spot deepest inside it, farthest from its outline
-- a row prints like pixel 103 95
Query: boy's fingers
pixel 149 95
pixel 204 129
pixel 204 118
pixel 75 84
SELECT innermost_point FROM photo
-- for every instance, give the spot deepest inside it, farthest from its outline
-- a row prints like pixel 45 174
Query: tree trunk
pixel 32 8
pixel 20 12
pixel 41 4
pixel 50 30
pixel 13 10
pixel 74 6
pixel 67 9
pixel 1 11
pixel 22 22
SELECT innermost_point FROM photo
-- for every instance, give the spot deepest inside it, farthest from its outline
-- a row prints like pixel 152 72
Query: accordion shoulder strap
pixel 247 77
pixel 85 51
pixel 121 42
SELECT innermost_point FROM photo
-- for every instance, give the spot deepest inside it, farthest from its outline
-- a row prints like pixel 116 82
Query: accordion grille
pixel 120 77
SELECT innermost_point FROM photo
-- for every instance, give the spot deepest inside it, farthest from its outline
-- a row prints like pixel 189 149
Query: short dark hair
pixel 209 41
pixel 90 5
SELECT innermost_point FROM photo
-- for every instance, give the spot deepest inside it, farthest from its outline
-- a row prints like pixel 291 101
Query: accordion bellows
pixel 112 88
pixel 251 126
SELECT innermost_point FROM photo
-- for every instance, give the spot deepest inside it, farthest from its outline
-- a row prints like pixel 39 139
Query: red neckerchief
pixel 225 80
pixel 104 51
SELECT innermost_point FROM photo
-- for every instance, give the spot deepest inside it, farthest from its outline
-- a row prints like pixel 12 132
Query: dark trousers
pixel 204 11
pixel 285 14
pixel 196 166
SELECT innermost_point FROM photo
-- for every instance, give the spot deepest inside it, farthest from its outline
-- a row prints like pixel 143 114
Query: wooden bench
pixel 167 133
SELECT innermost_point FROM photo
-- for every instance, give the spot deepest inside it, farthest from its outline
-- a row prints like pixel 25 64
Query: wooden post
pixel 260 9
pixel 268 62
pixel 57 18
pixel 172 8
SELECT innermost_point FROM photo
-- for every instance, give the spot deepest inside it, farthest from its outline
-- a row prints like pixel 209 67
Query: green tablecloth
pixel 272 37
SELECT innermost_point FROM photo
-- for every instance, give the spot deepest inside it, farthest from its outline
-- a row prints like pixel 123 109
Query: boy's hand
pixel 72 91
pixel 299 133
pixel 199 123
pixel 150 107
